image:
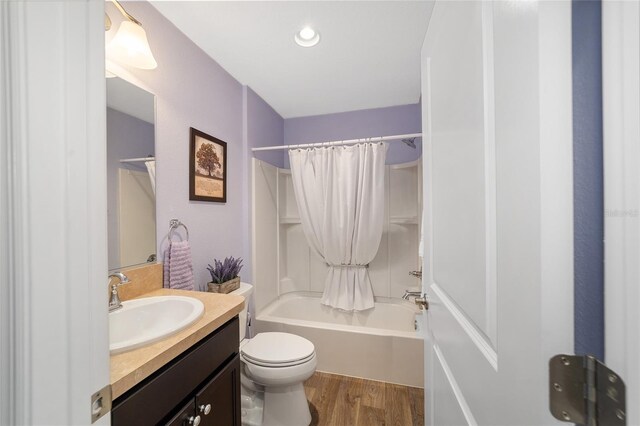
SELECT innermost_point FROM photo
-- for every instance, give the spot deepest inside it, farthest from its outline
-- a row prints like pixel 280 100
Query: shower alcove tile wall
pixel 298 269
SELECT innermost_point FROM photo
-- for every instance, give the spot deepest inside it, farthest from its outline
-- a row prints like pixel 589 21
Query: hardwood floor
pixel 347 401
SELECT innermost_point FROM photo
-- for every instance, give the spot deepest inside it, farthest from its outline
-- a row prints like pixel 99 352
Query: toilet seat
pixel 277 364
pixel 277 350
pixel 273 377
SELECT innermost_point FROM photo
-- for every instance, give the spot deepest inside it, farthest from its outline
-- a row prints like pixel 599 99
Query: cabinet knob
pixel 205 409
pixel 195 421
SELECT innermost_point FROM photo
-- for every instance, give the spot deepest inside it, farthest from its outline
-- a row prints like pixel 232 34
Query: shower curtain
pixel 340 196
pixel 151 168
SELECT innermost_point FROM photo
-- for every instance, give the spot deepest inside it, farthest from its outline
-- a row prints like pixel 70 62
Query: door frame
pixel 53 229
pixel 621 126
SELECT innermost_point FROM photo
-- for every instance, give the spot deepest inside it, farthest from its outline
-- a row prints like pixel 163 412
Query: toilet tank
pixel 245 290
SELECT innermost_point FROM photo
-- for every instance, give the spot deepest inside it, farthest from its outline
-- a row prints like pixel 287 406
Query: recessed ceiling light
pixel 307 37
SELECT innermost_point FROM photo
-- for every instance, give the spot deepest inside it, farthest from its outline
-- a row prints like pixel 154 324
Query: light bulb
pixel 307 33
pixel 130 46
pixel 307 37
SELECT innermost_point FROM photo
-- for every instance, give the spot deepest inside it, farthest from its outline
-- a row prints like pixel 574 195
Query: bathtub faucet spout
pixel 409 293
pixel 418 298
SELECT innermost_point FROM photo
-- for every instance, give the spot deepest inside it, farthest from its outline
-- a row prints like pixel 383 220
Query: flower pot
pixel 225 287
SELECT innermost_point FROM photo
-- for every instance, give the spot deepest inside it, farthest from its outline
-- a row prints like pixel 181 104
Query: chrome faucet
pixel 418 298
pixel 114 301
pixel 409 293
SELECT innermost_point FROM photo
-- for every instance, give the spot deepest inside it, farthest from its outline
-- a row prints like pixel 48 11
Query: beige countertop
pixel 130 368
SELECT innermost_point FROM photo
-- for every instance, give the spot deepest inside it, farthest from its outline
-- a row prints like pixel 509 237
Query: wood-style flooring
pixel 347 401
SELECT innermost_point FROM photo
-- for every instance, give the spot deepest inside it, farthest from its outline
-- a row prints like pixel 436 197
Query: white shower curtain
pixel 151 168
pixel 340 196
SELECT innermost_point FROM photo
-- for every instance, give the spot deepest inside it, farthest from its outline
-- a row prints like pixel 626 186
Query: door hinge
pixel 100 403
pixel 582 390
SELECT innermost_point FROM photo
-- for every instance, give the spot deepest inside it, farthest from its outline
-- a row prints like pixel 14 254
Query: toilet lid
pixel 277 349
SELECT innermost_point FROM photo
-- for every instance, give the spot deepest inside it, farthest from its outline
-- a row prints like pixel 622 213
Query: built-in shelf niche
pixel 301 270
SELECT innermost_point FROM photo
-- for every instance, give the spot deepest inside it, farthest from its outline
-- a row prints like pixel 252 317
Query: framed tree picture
pixel 207 168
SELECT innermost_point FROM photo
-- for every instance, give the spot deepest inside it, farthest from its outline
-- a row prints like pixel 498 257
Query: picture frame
pixel 207 167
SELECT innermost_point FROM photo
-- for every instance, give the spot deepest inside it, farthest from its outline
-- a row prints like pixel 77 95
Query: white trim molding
pixel 621 120
pixel 479 338
pixel 556 178
pixel 54 335
pixel 490 183
pixel 455 388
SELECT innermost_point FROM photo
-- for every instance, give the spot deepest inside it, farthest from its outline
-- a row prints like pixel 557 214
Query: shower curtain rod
pixel 135 160
pixel 345 142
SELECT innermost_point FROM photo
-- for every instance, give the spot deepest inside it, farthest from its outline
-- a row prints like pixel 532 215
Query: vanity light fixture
pixel 129 45
pixel 307 37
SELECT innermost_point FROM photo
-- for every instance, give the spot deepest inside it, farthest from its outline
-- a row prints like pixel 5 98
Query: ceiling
pixel 368 55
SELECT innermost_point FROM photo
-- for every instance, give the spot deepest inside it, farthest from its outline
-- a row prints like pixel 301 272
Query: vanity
pixel 189 378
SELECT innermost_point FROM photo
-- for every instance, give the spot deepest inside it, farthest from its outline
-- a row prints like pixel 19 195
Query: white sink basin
pixel 143 321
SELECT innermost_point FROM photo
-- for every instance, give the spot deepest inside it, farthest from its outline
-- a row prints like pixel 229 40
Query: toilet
pixel 274 367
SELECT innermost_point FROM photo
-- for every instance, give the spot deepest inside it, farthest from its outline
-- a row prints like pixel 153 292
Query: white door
pixel 54 344
pixel 621 113
pixel 498 208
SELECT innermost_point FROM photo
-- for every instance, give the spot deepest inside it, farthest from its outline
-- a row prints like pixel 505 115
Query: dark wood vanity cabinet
pixel 185 415
pixel 200 386
pixel 215 403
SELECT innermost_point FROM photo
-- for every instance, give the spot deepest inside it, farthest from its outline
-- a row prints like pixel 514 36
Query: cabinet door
pixel 218 402
pixel 183 416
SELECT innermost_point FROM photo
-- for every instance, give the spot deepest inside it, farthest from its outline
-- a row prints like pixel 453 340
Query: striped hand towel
pixel 178 270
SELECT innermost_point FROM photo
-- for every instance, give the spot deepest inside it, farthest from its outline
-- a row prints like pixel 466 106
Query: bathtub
pixel 379 344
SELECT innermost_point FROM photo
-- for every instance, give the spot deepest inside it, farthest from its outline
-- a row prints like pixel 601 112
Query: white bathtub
pixel 378 344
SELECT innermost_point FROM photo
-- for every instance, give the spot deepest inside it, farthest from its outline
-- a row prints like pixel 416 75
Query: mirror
pixel 131 201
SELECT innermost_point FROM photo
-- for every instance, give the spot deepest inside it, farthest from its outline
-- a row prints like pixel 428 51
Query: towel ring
pixel 173 225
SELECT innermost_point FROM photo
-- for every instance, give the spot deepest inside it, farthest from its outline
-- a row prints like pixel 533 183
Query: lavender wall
pixel 263 126
pixel 192 90
pixel 127 137
pixel 359 124
pixel 588 187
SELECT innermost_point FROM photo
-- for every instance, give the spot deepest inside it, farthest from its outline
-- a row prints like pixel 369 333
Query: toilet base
pixel 286 406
